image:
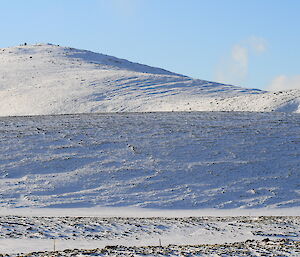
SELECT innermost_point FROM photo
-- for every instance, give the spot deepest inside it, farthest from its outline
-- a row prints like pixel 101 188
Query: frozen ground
pixel 27 234
pixel 169 230
pixel 154 160
pixel 248 248
pixel 48 79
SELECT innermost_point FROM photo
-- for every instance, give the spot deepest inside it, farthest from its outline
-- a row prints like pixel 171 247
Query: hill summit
pixel 45 79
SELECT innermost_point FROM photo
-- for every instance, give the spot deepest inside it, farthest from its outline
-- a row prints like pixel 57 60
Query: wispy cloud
pixel 257 44
pixel 239 56
pixel 233 69
pixel 283 82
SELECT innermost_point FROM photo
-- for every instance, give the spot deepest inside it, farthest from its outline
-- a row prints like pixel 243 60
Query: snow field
pixel 155 160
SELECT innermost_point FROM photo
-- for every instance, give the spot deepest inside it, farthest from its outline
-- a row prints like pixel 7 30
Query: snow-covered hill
pixel 154 160
pixel 178 163
pixel 49 79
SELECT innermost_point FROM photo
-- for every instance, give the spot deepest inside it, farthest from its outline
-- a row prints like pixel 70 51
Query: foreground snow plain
pixel 253 248
pixel 28 234
pixel 244 165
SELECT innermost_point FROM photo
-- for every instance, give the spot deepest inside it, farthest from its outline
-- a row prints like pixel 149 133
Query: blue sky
pixel 251 43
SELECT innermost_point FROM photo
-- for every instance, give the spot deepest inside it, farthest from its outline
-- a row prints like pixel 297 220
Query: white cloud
pixel 240 58
pixel 234 68
pixel 283 82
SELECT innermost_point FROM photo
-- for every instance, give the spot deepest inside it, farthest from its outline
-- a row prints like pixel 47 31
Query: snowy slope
pixel 48 79
pixel 154 160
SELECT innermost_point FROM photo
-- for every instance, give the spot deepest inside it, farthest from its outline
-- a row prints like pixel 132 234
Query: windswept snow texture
pixel 154 160
pixel 48 79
